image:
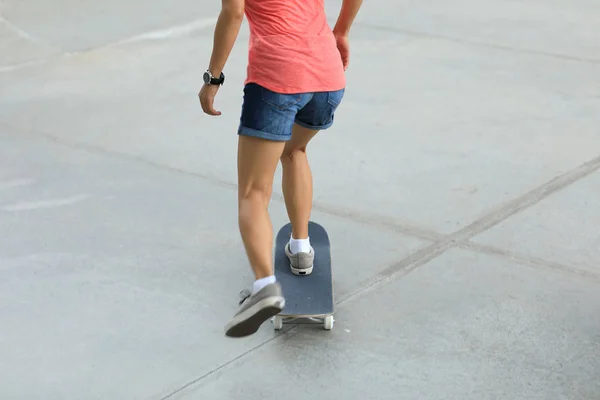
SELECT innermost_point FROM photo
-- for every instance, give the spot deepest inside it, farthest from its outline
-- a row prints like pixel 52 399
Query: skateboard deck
pixel 309 296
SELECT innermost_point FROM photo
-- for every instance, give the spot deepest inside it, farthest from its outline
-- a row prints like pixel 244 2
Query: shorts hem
pixel 244 131
pixel 314 127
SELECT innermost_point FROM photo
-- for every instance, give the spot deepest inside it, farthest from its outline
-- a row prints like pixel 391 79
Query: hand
pixel 207 97
pixel 344 48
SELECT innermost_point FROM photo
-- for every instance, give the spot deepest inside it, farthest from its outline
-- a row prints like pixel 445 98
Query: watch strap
pixel 215 81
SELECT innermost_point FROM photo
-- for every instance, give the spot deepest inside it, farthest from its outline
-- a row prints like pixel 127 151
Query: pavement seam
pixel 409 32
pixel 534 196
pixel 421 257
pixel 224 365
pixel 203 23
pixel 460 238
pixel 530 260
pixel 23 34
pixel 174 31
pixel 478 226
pixel 457 239
pixel 351 215
pixel 376 220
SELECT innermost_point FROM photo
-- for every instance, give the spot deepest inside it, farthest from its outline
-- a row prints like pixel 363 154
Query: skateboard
pixel 308 296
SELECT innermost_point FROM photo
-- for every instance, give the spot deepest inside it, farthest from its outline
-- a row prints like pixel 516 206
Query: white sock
pixel 299 245
pixel 261 283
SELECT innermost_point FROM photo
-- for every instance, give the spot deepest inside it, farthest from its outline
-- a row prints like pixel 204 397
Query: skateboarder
pixel 295 82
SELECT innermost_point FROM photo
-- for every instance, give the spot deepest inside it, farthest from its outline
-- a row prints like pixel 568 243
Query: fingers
pixel 207 101
pixel 345 56
pixel 208 107
pixel 345 60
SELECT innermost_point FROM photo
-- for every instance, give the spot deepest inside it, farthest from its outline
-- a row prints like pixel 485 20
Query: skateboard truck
pixel 327 321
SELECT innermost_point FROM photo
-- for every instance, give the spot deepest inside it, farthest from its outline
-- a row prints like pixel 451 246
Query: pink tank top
pixel 292 48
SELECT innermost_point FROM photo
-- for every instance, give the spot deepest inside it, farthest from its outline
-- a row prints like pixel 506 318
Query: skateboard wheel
pixel 277 322
pixel 328 322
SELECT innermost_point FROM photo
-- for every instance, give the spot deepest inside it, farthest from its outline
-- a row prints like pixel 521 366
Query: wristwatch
pixel 209 79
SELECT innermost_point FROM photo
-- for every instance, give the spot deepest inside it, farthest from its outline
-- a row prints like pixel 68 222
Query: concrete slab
pixel 76 25
pixel 465 326
pixel 17 47
pixel 480 125
pixel 120 259
pixel 117 278
pixel 552 26
pixel 564 228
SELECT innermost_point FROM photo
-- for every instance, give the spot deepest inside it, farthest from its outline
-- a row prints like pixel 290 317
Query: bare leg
pixel 257 161
pixel 297 180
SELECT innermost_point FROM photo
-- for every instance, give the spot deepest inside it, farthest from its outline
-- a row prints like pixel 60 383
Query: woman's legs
pixel 257 162
pixel 268 134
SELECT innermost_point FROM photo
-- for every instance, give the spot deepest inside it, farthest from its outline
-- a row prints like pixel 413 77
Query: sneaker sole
pixel 248 322
pixel 301 272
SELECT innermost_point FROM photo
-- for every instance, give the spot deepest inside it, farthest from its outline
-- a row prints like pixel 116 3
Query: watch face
pixel 206 77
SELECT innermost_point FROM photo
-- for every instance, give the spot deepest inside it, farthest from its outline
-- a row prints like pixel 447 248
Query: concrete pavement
pixel 460 188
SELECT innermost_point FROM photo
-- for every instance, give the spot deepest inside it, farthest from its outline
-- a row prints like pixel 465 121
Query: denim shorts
pixel 270 115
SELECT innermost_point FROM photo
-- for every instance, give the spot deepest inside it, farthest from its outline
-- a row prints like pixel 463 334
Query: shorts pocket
pixel 335 98
pixel 280 101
